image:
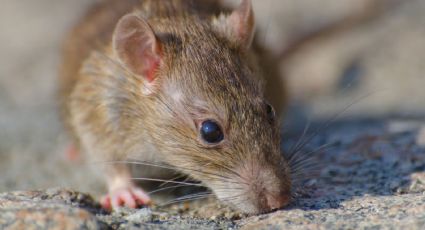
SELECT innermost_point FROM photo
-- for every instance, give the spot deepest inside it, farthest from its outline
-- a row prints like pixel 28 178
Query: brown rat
pixel 175 82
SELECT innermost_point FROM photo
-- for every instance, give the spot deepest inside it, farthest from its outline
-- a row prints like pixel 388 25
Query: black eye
pixel 270 112
pixel 211 132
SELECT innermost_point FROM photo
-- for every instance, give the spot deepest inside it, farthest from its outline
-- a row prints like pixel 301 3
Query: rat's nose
pixel 268 189
pixel 275 201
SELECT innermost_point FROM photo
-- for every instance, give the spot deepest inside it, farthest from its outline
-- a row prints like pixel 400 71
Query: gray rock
pixel 50 209
pixel 367 181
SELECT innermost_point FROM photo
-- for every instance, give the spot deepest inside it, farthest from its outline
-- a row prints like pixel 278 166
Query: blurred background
pixel 368 55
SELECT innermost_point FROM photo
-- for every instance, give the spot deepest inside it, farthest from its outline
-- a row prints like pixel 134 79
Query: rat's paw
pixel 129 197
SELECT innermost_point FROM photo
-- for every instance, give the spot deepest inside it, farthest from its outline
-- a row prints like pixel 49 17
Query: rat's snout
pixel 265 189
pixel 269 195
pixel 275 201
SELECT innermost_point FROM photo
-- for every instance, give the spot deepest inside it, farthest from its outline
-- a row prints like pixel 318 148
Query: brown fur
pixel 204 74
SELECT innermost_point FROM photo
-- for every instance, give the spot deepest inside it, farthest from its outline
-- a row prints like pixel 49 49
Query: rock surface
pixel 370 178
pixel 50 209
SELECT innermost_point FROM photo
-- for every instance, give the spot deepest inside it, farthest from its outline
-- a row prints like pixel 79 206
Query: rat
pixel 178 83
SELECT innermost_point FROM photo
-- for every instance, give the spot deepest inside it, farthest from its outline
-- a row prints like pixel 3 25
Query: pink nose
pixel 277 201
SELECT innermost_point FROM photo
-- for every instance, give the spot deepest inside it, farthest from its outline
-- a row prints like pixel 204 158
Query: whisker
pixel 333 119
pixel 296 157
pixel 302 166
pixel 295 146
pixel 183 185
pixel 210 174
pixel 306 168
pixel 137 162
pixel 174 179
pixel 218 176
pixel 149 164
pixel 166 188
pixel 190 197
pixel 167 181
pixel 305 165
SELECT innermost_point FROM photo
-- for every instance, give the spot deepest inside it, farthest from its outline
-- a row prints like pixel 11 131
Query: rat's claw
pixel 105 202
pixel 128 197
pixel 143 198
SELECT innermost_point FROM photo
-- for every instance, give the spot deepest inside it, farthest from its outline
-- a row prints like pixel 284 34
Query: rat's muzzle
pixel 257 189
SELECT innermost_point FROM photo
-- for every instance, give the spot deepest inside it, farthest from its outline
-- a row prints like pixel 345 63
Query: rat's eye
pixel 270 112
pixel 211 132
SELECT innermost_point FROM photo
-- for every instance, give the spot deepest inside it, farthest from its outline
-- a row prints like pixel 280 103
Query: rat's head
pixel 207 112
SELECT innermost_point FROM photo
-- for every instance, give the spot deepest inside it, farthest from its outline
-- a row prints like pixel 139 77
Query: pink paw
pixel 129 197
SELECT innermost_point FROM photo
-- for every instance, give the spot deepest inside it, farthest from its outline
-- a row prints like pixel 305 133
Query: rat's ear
pixel 240 24
pixel 137 47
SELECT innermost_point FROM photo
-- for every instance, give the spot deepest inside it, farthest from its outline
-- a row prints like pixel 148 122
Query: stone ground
pixel 371 177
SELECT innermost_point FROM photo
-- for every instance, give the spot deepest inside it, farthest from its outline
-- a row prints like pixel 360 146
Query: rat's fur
pixel 206 72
